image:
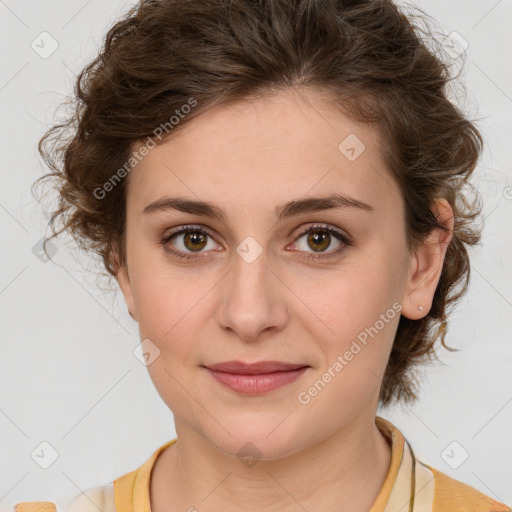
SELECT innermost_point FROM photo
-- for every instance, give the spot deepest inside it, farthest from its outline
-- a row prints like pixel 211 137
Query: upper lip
pixel 254 368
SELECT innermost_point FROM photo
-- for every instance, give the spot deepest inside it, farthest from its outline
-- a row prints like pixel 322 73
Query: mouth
pixel 255 378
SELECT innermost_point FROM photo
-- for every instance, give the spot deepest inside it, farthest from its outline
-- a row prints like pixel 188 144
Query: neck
pixel 344 472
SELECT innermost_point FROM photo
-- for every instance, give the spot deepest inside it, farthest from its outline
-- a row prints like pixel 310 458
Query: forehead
pixel 257 153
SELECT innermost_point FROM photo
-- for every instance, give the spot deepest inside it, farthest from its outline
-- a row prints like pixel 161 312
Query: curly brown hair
pixel 372 60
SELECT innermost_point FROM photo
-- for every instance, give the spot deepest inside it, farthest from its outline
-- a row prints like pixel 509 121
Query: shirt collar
pixel 408 486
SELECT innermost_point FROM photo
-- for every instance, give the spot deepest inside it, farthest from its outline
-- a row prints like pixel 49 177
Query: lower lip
pixel 256 384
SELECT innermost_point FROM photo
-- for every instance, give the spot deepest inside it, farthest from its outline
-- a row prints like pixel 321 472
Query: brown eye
pixel 186 241
pixel 195 240
pixel 318 241
pixel 183 243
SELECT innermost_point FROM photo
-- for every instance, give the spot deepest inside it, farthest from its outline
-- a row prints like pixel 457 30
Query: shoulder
pixel 451 494
pixel 92 500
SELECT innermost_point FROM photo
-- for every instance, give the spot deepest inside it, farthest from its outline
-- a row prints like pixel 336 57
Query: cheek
pixel 172 314
pixel 344 303
pixel 167 296
pixel 356 341
pixel 356 314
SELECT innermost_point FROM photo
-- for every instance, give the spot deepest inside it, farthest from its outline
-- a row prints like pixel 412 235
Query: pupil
pixel 195 238
pixel 319 239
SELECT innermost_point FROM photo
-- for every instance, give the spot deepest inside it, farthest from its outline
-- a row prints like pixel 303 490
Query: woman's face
pixel 249 292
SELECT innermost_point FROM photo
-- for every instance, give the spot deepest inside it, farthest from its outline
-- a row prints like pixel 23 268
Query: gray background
pixel 68 375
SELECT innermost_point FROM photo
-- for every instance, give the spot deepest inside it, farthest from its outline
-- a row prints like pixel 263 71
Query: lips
pixel 255 378
pixel 262 367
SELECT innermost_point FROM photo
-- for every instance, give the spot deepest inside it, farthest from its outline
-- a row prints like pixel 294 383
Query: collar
pixel 408 486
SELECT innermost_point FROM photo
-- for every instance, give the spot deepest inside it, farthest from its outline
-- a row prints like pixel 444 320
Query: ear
pixel 427 264
pixel 123 279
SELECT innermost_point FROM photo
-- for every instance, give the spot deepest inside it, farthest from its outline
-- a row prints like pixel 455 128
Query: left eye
pixel 319 237
pixel 195 239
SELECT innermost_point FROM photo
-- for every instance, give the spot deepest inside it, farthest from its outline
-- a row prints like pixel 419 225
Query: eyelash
pixel 346 242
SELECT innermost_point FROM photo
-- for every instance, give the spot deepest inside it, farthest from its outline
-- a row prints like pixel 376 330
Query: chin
pixel 268 437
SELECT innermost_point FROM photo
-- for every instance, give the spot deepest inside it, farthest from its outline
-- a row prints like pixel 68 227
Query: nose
pixel 253 297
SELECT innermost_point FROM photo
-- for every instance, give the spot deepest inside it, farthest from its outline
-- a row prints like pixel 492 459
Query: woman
pixel 278 188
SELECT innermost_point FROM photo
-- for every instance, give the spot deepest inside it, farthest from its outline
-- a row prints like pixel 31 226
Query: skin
pixel 248 158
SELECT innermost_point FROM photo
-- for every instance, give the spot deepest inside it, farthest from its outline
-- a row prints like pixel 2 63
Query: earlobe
pixel 123 279
pixel 427 265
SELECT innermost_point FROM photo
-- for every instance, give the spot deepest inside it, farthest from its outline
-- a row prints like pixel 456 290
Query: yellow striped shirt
pixel 410 486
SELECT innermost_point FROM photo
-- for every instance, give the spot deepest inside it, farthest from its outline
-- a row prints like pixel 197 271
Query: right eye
pixel 193 240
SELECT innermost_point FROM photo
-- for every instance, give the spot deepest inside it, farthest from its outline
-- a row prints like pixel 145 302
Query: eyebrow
pixel 286 210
